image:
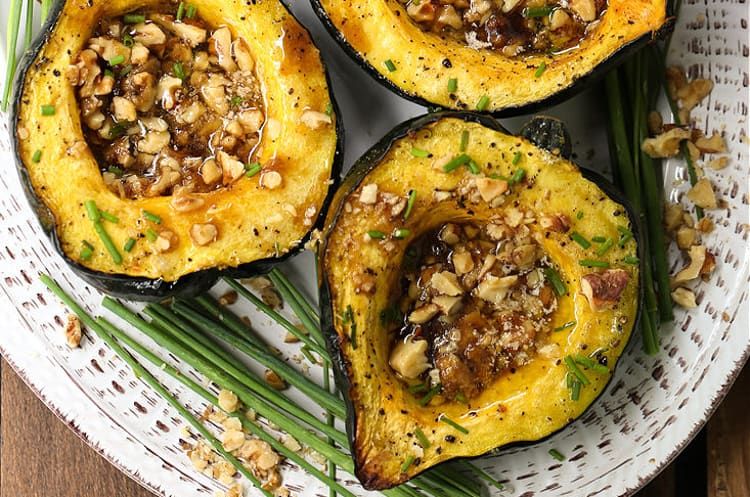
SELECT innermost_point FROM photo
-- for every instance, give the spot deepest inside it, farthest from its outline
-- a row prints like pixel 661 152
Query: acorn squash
pixel 176 241
pixel 437 66
pixel 448 347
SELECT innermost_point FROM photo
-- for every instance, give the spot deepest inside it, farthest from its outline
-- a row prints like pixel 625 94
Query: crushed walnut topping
pixel 514 27
pixel 476 305
pixel 168 104
pixel 603 289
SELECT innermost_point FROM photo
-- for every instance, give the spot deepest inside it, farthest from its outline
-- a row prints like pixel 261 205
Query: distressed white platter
pixel 649 412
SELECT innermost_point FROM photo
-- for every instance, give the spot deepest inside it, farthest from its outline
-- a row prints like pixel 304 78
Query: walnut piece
pixel 73 331
pixel 603 289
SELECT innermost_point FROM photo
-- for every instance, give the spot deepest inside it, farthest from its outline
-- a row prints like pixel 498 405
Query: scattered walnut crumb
pixel 702 194
pixel 684 297
pixel 228 400
pixel 603 289
pixel 274 380
pixel 73 331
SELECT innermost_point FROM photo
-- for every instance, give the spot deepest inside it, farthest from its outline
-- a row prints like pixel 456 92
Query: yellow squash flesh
pixel 254 223
pixel 526 405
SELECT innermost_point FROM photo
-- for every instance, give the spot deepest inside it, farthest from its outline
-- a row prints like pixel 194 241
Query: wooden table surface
pixel 41 457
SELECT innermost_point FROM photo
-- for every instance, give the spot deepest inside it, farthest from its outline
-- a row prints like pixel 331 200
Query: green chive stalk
pixel 217 368
pixel 11 44
pixel 151 381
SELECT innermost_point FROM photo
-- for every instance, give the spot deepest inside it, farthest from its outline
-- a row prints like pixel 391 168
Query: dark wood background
pixel 41 457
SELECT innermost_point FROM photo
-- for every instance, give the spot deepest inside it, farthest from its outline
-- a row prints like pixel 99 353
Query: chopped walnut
pixel 490 188
pixel 228 400
pixel 684 297
pixel 559 223
pixel 314 119
pixel 409 358
pixel 712 145
pixel 73 331
pixel 692 93
pixel 666 144
pixel 273 379
pixel 698 255
pixel 702 194
pixel 203 234
pixel 603 289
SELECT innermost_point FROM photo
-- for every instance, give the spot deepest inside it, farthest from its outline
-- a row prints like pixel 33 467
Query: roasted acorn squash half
pixel 417 49
pixel 476 291
pixel 258 205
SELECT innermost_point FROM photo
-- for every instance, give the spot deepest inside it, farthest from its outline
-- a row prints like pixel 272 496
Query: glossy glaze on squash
pixel 361 266
pixel 257 221
pixel 439 70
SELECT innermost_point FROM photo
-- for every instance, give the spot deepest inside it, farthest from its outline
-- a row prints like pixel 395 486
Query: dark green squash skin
pixel 537 128
pixel 577 86
pixel 139 288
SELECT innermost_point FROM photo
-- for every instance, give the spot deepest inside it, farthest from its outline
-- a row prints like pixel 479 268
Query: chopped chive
pixel 580 240
pixel 37 156
pixel 565 326
pixel 623 240
pixel 378 235
pixel 401 233
pixel 352 326
pixel 86 253
pixel 418 152
pixel 126 70
pixel 129 244
pixel 429 395
pixel 473 167
pixel 92 210
pixel 518 175
pixel 461 398
pixel 109 217
pixel 558 285
pixel 448 421
pixel 456 162
pixel 591 364
pixel 630 259
pixel 452 85
pixel 579 215
pixel 464 140
pixel 116 60
pixel 107 241
pixel 127 40
pixel 151 235
pixel 308 355
pixel 115 170
pixel 410 203
pixel 252 169
pixel 179 71
pixel 390 65
pixel 573 368
pixel 598 239
pixel 180 11
pixel 516 158
pixel 329 109
pixel 591 263
pixel 109 73
pixel 483 103
pixel 134 18
pixel 540 69
pixel 151 217
pixel 423 440
pixel 235 101
pixel 605 246
pixel 48 110
pixel 624 231
pixel 532 12
pixel 418 388
pixel 556 454
pixel 86 244
pixel 569 379
pixel 407 463
pixel 190 13
pixel 575 390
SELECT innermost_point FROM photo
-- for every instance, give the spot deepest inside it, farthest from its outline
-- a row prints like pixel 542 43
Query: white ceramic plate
pixel 649 412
